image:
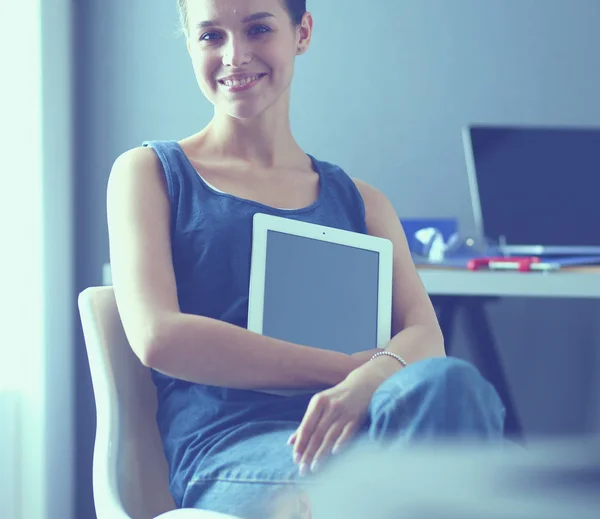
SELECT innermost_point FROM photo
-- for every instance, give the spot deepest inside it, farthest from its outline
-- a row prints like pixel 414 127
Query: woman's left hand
pixel 332 418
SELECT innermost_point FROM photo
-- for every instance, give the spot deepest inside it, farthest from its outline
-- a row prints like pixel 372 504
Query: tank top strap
pixel 177 169
pixel 339 198
pixel 341 194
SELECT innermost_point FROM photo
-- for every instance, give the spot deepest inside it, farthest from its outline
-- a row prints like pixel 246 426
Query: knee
pixel 453 378
pixel 450 372
pixel 444 381
pixel 457 384
pixel 440 395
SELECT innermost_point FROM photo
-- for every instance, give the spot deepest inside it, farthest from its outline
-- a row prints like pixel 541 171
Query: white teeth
pixel 239 82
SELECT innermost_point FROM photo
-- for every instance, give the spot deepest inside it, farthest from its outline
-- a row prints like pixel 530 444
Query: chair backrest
pixel 130 474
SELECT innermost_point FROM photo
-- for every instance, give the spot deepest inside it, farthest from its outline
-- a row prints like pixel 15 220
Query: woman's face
pixel 243 52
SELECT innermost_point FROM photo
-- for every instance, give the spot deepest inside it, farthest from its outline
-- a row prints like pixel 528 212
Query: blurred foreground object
pixel 549 480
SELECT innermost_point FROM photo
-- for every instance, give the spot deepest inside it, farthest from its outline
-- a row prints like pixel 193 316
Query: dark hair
pixel 295 8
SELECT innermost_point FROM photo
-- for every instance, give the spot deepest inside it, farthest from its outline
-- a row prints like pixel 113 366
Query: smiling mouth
pixel 236 83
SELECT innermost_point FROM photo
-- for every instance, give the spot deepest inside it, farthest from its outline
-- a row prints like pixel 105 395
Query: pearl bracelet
pixel 390 354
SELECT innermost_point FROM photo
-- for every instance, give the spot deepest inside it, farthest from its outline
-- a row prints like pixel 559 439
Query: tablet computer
pixel 320 286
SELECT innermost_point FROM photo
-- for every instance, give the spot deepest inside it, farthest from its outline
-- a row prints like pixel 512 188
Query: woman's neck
pixel 265 141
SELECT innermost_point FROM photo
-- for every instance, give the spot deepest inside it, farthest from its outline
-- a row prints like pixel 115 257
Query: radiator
pixel 9 456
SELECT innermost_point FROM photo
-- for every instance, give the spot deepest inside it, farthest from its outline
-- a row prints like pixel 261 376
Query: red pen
pixel 521 264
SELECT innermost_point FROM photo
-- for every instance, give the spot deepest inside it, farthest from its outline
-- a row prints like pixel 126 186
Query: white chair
pixel 130 474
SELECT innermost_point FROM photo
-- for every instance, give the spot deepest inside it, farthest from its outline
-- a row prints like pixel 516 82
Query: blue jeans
pixel 433 399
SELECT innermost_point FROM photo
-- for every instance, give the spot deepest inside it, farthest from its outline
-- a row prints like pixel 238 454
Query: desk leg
pixel 486 357
pixel 484 348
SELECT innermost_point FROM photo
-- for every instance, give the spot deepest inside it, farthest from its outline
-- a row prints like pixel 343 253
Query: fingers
pixel 346 435
pixel 314 444
pixel 313 413
pixel 324 430
pixel 324 450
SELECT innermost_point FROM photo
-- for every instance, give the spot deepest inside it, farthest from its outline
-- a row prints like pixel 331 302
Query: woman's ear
pixel 304 33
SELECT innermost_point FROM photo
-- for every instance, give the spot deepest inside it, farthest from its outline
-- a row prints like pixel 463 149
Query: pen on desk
pixel 515 265
pixel 518 263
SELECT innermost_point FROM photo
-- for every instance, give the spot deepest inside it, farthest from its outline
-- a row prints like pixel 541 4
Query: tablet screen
pixel 320 294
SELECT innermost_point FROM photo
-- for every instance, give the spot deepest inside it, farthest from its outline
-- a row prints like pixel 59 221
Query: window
pixel 35 322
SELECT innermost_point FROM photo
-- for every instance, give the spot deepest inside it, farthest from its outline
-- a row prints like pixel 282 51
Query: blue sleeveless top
pixel 211 241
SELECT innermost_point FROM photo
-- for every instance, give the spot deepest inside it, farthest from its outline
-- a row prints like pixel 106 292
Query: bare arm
pixel 336 414
pixel 416 334
pixel 189 347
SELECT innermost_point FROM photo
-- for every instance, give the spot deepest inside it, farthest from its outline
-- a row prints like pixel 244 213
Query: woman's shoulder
pixel 379 211
pixel 370 194
pixel 135 161
pixel 376 203
pixel 135 171
pixel 137 155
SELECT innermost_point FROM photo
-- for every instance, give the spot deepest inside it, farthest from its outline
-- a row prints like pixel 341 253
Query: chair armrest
pixel 193 513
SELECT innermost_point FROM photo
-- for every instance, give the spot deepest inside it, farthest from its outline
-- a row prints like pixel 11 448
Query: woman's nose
pixel 236 53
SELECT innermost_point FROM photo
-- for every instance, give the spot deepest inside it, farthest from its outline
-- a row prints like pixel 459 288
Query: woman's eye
pixel 259 29
pixel 208 36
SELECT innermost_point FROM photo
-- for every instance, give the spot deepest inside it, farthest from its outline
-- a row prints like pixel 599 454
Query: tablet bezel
pixel 263 223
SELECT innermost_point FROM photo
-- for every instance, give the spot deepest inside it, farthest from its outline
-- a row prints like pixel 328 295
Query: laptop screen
pixel 320 294
pixel 536 186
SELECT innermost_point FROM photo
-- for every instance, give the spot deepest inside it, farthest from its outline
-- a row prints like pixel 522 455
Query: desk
pixel 574 283
pixel 452 289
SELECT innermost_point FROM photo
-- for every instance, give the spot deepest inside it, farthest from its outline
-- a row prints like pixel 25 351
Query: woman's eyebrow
pixel 250 18
pixel 257 16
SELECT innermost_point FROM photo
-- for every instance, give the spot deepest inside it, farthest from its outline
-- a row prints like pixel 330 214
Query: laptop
pixel 319 286
pixel 535 190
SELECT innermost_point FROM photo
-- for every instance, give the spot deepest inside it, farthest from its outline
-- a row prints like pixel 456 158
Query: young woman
pixel 180 220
